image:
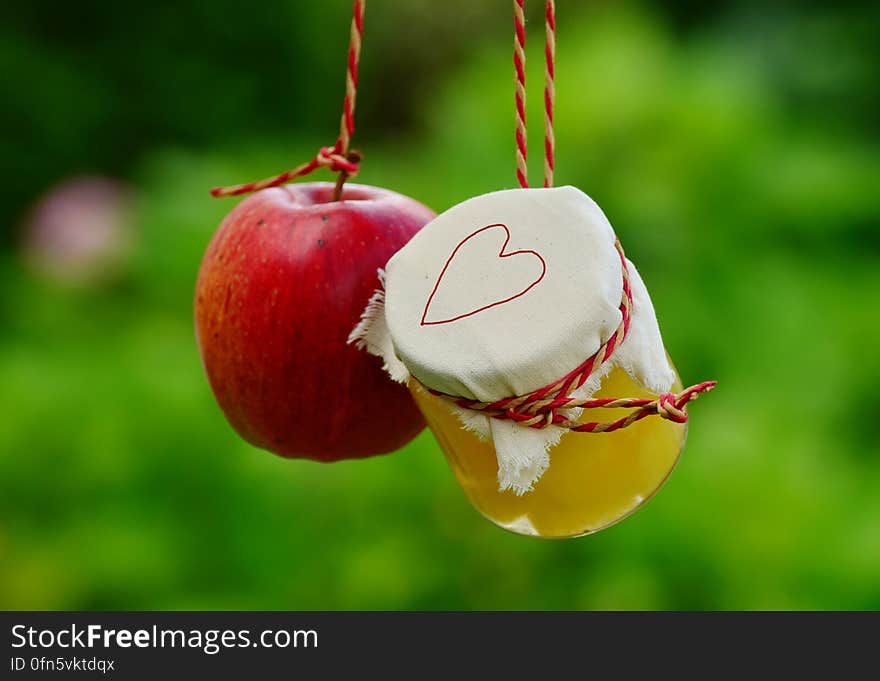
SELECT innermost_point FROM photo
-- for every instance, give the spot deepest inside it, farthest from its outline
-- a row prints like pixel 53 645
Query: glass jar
pixel 594 480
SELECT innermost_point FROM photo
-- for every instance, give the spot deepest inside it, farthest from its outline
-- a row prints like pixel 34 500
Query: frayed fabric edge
pixel 522 461
pixel 371 334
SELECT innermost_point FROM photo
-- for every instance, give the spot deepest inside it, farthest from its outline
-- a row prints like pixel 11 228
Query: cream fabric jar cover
pixel 503 294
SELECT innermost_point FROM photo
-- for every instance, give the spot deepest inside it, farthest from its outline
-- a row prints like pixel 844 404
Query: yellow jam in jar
pixel 594 479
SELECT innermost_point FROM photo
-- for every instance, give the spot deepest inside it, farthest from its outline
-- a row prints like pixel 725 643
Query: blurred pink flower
pixel 81 231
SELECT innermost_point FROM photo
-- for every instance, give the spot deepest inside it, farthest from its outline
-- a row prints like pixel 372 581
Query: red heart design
pixel 501 254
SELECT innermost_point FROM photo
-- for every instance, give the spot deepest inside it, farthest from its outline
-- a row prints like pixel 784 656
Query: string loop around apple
pixel 327 157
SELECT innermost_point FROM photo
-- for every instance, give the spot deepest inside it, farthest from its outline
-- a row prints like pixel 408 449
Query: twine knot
pixel 668 409
pixel 332 158
pixel 346 164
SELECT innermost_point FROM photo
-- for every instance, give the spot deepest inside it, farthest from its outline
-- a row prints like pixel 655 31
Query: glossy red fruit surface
pixel 283 282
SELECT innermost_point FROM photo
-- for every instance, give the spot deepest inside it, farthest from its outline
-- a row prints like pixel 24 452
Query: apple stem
pixel 340 180
pixel 354 157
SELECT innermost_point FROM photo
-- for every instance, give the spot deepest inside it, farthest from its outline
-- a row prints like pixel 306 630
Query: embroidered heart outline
pixel 501 254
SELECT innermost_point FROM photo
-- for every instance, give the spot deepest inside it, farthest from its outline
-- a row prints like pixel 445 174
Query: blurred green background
pixel 734 147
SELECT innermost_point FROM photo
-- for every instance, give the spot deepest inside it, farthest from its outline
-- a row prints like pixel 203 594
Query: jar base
pixel 595 480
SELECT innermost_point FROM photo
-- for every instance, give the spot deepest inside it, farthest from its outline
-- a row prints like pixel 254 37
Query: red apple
pixel 282 284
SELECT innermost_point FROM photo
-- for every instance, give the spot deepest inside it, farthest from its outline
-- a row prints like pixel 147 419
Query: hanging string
pixel 549 91
pixel 338 158
pixel 519 63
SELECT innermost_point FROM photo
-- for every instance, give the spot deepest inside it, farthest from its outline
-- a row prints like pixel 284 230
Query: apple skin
pixel 283 282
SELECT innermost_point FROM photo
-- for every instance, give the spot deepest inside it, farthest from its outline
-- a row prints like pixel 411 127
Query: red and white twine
pixel 549 90
pixel 337 158
pixel 519 66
